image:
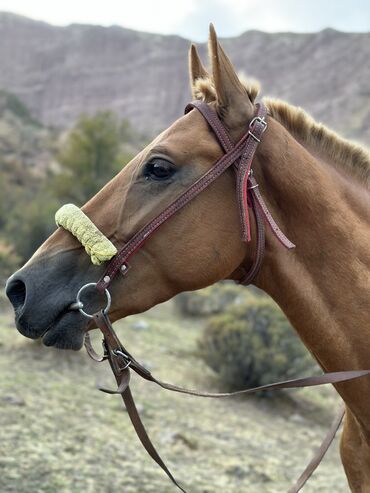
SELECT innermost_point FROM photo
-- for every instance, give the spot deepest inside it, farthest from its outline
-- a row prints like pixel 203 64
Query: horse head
pixel 198 246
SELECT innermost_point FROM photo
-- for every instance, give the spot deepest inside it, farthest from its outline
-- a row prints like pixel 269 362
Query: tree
pixel 92 154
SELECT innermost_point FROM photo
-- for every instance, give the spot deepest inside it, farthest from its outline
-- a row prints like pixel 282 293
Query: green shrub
pixel 10 102
pixel 9 260
pixel 30 221
pixel 211 300
pixel 90 156
pixel 253 344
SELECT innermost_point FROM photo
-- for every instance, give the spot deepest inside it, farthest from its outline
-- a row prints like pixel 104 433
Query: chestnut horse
pixel 315 184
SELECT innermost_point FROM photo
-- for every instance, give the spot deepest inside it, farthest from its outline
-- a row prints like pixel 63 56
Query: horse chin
pixel 66 333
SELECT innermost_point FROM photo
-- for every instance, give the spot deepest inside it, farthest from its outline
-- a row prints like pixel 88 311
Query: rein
pixel 121 361
pixel 239 155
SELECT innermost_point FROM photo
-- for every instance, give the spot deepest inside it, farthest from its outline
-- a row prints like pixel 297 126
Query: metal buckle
pixel 126 357
pixel 252 124
pixel 79 305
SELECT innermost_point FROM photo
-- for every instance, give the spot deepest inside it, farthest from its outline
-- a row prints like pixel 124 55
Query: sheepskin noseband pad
pixel 71 218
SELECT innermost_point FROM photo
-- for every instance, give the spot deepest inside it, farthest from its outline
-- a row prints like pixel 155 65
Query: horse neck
pixel 323 285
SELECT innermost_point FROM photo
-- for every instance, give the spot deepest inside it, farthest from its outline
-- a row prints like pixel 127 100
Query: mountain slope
pixel 61 71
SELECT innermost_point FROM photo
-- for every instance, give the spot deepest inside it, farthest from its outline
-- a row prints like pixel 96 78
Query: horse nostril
pixel 16 292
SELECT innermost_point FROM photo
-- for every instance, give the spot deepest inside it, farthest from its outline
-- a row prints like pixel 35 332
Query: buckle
pixel 260 120
pixel 125 357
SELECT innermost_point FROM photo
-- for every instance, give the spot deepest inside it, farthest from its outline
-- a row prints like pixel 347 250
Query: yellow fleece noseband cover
pixel 71 218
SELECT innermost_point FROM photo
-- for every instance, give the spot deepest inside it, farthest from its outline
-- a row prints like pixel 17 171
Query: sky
pixel 190 18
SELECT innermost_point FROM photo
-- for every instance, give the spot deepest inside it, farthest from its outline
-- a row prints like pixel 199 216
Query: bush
pixel 9 260
pixel 211 300
pixel 90 156
pixel 30 221
pixel 253 344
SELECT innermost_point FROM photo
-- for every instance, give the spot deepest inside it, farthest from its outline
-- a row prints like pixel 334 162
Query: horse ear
pixel 233 103
pixel 196 70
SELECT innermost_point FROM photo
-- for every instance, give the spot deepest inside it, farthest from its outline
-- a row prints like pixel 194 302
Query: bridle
pixel 239 155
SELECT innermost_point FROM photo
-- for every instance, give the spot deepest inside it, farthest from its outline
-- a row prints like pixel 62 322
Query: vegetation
pixel 209 301
pixel 59 434
pixel 252 344
pixel 90 156
pixel 9 102
pixel 76 166
pixel 9 260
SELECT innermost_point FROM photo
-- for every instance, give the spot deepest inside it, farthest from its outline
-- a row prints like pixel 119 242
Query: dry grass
pixel 60 435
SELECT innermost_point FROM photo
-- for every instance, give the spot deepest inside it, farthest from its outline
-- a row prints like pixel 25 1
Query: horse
pixel 315 183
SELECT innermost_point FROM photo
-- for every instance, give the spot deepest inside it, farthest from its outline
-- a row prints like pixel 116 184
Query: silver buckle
pixel 251 125
pixel 124 356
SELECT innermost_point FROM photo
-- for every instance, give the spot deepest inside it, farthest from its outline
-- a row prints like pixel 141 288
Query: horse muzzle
pixel 42 293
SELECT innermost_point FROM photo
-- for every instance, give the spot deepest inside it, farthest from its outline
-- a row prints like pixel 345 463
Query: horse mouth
pixel 66 331
pixel 63 330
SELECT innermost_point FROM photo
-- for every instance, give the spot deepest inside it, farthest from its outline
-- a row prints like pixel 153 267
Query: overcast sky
pixel 190 18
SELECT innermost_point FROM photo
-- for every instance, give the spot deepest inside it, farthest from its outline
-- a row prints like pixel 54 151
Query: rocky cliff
pixel 59 72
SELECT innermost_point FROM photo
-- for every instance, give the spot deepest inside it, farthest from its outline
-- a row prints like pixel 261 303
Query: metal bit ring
pixel 80 305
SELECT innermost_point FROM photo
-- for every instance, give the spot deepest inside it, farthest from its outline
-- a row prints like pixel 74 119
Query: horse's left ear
pixel 198 74
pixel 233 102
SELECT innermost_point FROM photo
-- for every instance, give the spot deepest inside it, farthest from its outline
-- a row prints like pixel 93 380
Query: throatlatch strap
pixel 247 183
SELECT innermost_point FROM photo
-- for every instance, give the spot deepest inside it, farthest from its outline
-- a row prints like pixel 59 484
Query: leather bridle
pixel 239 155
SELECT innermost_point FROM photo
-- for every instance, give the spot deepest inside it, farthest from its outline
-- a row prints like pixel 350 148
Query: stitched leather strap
pixel 215 123
pixel 121 361
pixel 248 276
pixel 267 214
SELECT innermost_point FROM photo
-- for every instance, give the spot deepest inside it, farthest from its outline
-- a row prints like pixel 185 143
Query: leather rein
pixel 239 155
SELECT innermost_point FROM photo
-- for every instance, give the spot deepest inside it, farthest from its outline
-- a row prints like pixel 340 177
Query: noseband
pixel 97 246
pixel 239 155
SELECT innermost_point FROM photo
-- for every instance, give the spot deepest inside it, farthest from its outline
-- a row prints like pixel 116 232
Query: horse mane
pixel 341 152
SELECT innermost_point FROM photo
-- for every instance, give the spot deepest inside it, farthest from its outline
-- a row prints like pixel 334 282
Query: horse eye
pixel 159 169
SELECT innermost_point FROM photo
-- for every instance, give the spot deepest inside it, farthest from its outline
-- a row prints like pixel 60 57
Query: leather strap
pixel 214 122
pixel 121 361
pixel 320 454
pixel 249 275
pixel 113 352
pixel 267 214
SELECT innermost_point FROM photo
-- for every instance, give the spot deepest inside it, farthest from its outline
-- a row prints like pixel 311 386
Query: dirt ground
pixel 58 434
